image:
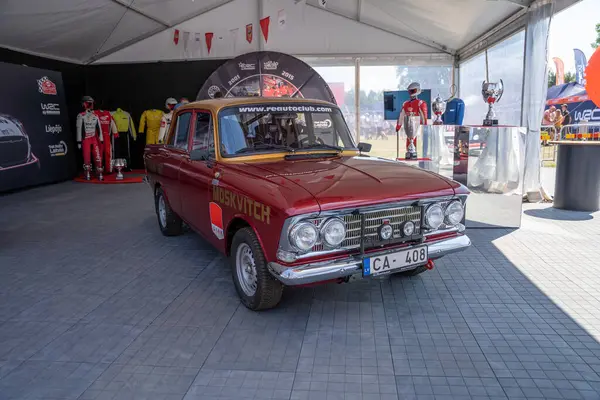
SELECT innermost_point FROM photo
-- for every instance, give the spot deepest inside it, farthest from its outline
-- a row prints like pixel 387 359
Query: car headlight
pixel 333 232
pixel 434 216
pixel 408 228
pixel 304 236
pixel 454 213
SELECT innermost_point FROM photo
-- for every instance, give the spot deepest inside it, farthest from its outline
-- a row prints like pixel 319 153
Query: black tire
pixel 268 289
pixel 173 225
pixel 414 272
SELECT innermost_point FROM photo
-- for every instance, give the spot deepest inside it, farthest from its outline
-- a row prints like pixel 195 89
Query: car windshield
pixel 246 130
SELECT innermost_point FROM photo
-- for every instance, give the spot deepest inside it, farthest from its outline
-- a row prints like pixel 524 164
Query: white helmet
pixel 414 89
pixel 170 101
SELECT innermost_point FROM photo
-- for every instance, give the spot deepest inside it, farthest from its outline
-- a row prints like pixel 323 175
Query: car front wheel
pixel 256 287
pixel 170 224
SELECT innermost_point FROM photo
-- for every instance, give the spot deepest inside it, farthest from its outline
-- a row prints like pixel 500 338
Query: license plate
pixel 395 262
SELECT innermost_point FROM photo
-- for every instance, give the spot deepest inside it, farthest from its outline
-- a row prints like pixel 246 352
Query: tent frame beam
pixel 155 32
pixel 136 10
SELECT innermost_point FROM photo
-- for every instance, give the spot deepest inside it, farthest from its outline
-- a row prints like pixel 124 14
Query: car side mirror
pixel 199 155
pixel 364 147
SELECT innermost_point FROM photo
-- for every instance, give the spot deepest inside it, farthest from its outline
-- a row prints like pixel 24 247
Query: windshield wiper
pixel 265 147
pixel 322 146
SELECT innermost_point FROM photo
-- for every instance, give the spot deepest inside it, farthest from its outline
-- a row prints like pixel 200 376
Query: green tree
pixel 438 79
pixel 596 44
pixel 569 77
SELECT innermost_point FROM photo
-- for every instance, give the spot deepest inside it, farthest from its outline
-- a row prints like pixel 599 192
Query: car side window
pixel 182 130
pixel 203 135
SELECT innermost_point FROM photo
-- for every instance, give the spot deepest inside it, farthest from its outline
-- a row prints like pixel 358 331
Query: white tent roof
pixel 86 31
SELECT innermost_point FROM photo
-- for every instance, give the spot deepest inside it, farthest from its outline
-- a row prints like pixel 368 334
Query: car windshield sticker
pixel 283 108
pixel 243 204
pixel 216 220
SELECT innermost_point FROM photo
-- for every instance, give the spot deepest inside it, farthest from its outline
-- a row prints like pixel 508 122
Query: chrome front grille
pixel 373 220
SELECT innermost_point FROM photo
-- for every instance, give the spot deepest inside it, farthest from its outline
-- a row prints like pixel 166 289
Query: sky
pixel 571 28
pixel 574 28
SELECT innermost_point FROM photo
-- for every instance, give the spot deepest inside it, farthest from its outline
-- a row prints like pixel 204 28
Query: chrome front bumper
pixel 341 268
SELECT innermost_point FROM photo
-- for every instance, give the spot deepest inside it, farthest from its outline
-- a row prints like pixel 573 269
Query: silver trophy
pixel 119 164
pixel 411 128
pixel 438 106
pixel 492 93
pixel 86 170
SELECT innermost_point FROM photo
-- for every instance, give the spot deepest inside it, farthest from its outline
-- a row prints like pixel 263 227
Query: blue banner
pixel 580 64
pixel 393 101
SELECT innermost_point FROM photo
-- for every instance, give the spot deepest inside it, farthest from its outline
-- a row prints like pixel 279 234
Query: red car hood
pixel 353 181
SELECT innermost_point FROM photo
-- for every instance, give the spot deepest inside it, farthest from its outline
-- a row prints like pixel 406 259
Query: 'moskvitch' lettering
pixel 243 204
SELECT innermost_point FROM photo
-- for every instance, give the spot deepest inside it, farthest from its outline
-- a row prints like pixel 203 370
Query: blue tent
pixel 565 90
pixel 574 96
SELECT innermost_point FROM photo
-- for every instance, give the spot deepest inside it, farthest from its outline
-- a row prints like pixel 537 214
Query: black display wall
pixel 138 87
pixel 73 76
pixel 132 87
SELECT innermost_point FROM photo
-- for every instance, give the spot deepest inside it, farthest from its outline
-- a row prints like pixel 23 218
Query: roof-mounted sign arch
pixel 266 74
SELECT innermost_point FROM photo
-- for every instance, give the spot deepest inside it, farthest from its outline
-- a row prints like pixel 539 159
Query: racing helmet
pixel 170 103
pixel 87 102
pixel 414 89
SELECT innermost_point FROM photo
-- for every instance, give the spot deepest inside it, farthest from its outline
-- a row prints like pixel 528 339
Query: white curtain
pixel 535 84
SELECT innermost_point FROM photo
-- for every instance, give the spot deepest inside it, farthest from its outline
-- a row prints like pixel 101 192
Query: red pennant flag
pixel 176 37
pixel 249 33
pixel 208 36
pixel 264 27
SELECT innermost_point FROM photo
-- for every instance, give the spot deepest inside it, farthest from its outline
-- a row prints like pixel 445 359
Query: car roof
pixel 217 104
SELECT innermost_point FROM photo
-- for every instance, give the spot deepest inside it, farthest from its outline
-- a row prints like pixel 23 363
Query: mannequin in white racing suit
pixel 165 122
pixel 89 137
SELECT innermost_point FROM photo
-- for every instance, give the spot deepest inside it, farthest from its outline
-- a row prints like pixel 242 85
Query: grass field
pixel 386 148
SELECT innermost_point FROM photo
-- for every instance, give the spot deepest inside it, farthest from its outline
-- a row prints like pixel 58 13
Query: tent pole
pixel 258 29
pixel 357 98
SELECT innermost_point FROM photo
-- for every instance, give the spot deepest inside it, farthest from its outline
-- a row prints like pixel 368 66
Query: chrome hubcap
pixel 246 269
pixel 162 211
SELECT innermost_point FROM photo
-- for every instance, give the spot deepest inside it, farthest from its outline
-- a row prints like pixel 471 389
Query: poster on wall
pixel 34 128
pixel 266 74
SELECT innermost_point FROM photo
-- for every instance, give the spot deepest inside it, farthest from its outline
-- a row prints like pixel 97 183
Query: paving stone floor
pixel 96 304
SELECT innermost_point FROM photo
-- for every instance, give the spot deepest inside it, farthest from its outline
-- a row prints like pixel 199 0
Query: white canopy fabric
pixel 87 31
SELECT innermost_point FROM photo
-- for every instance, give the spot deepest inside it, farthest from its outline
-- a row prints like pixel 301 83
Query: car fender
pixel 250 223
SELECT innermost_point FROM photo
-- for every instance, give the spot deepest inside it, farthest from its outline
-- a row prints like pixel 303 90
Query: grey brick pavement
pixel 96 304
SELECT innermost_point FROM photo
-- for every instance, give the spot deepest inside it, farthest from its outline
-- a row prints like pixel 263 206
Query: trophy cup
pixel 119 164
pixel 438 106
pixel 411 128
pixel 492 93
pixel 86 170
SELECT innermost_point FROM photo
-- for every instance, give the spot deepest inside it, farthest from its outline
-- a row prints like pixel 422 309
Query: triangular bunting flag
pixel 249 33
pixel 264 27
pixel 281 19
pixel 208 36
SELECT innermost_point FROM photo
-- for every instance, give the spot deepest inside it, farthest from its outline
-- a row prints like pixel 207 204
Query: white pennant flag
pixel 186 42
pixel 198 43
pixel 233 33
pixel 281 19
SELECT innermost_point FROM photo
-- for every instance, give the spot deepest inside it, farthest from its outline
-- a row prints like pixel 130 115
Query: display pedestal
pixel 135 176
pixel 489 161
pixel 577 186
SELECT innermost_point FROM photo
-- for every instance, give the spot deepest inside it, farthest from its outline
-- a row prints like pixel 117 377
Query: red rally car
pixel 281 188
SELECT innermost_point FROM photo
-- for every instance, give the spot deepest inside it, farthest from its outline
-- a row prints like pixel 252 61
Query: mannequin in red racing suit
pixel 89 136
pixel 108 126
pixel 414 108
